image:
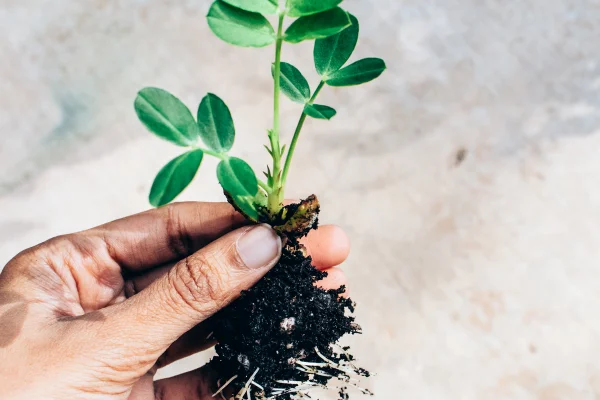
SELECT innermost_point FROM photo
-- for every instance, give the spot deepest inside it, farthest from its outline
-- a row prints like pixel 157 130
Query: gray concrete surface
pixel 467 176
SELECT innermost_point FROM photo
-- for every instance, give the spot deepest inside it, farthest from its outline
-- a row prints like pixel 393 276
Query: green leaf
pixel 239 182
pixel 166 116
pixel 332 52
pixel 237 177
pixel 299 8
pixel 215 123
pixel 239 27
pixel 174 177
pixel 319 111
pixel 318 26
pixel 293 83
pixel 362 71
pixel 247 205
pixel 261 198
pixel 257 6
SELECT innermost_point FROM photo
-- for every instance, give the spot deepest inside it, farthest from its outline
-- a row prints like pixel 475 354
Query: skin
pixel 94 314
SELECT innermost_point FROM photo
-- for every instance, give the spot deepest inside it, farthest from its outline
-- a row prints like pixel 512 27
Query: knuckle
pixel 70 249
pixel 179 242
pixel 48 249
pixel 62 242
pixel 198 282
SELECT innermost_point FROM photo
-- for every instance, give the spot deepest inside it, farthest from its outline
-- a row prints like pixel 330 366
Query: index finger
pixel 173 232
pixel 166 234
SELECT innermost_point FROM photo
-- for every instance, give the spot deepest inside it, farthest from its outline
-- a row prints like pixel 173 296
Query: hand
pixel 92 315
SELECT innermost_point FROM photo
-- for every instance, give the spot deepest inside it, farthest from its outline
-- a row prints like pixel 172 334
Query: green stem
pixel 274 202
pixel 263 185
pixel 290 154
pixel 221 156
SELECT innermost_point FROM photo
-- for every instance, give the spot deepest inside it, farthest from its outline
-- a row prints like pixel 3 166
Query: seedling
pixel 278 336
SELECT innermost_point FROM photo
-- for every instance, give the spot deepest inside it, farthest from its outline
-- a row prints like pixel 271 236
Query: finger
pixel 193 385
pixel 329 246
pixel 165 234
pixel 194 341
pixel 334 279
pixel 195 288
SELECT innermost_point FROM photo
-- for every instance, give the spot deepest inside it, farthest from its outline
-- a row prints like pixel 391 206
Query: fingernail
pixel 259 246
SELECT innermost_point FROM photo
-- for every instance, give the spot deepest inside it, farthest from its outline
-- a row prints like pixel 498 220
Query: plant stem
pixel 274 202
pixel 290 154
pixel 221 156
pixel 264 186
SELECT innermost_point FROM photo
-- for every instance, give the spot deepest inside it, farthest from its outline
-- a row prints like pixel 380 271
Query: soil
pixel 279 327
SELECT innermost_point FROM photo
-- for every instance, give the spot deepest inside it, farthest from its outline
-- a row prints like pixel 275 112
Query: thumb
pixel 199 286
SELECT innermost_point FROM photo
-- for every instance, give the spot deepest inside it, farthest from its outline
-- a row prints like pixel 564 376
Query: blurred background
pixel 467 176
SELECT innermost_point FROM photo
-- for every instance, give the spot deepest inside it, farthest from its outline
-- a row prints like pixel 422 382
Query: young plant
pixel 278 312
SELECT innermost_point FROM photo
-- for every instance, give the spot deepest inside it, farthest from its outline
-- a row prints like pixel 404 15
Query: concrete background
pixel 468 175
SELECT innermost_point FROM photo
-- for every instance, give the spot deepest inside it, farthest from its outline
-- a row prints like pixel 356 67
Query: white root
pixel 298 389
pixel 311 364
pixel 363 390
pixel 335 365
pixel 347 355
pixel 328 361
pixel 291 382
pixel 315 371
pixel 243 390
pixel 311 369
pixel 225 385
pixel 209 335
pixel 304 369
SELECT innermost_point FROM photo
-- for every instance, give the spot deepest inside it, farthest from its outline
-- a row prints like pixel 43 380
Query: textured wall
pixel 467 176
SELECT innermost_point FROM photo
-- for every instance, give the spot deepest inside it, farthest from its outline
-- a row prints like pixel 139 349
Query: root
pixel 346 374
pixel 246 387
pixel 298 389
pixel 224 386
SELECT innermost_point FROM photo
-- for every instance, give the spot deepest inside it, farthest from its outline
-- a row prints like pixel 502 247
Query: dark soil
pixel 278 323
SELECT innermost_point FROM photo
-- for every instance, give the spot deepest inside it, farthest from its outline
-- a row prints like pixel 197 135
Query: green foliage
pixel 293 83
pixel 317 26
pixel 174 177
pixel 319 111
pixel 166 116
pixel 331 53
pixel 243 23
pixel 238 179
pixel 299 8
pixel 239 27
pixel 215 123
pixel 257 6
pixel 357 73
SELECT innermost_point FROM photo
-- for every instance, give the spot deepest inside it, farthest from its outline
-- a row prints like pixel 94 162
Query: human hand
pixel 93 315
